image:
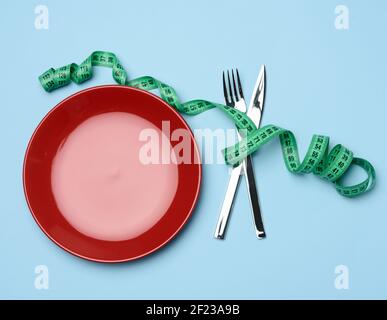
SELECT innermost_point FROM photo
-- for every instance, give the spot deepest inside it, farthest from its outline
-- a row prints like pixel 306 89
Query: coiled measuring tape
pixel 330 165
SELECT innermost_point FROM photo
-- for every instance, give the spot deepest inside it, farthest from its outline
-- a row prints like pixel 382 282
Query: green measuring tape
pixel 328 165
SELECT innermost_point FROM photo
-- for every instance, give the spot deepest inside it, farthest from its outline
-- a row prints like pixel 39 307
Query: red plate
pixel 49 138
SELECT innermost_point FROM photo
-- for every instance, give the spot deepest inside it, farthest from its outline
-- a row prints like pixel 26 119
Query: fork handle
pixel 228 202
pixel 253 196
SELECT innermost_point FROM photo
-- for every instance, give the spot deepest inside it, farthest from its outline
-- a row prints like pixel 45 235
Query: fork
pixel 234 98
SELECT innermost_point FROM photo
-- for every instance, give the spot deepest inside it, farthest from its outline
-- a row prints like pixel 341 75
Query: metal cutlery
pixel 234 98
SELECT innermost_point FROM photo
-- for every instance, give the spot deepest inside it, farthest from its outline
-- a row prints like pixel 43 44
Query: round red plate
pixel 53 131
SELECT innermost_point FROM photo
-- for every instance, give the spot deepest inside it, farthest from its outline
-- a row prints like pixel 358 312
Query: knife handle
pixel 253 196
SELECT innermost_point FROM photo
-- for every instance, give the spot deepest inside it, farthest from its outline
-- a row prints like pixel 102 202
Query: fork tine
pixel 229 88
pixel 225 90
pixel 239 85
pixel 234 86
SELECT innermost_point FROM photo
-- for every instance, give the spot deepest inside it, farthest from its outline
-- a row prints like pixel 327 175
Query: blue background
pixel 319 80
